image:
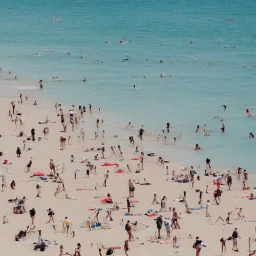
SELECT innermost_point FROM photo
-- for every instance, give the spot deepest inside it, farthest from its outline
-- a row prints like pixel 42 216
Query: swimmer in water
pixel 197 147
pixel 161 75
pixel 249 114
pixel 41 84
pixel 197 129
pixel 225 107
pixel 251 136
pixel 134 87
pixel 84 80
pixel 223 128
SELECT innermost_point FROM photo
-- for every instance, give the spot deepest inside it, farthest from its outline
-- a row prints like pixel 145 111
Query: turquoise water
pixel 201 50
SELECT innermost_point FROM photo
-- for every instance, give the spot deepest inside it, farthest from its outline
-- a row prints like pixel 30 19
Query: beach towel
pixel 119 171
pixel 137 158
pixel 254 198
pixel 81 189
pixel 96 225
pixel 132 214
pixel 108 164
pixel 132 201
pixel 37 174
pixel 93 209
pixel 197 208
pixel 114 247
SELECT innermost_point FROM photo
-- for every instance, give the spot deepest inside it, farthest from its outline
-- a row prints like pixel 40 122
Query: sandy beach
pixel 86 192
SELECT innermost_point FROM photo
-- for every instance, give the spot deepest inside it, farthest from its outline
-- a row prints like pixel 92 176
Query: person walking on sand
pixel 235 236
pixel 175 224
pixel 126 247
pixel 50 214
pixel 223 245
pixel 155 200
pixel 197 245
pixel 38 188
pixel 128 228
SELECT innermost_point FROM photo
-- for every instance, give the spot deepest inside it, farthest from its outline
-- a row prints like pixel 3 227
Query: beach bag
pixel 110 251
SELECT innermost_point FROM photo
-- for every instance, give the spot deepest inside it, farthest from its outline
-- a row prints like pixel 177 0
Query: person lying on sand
pixel 144 183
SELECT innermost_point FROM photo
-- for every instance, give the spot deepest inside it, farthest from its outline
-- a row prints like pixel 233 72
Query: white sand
pixel 77 211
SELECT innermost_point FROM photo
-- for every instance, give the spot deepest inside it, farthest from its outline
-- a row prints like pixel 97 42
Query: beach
pixel 127 128
pixel 145 242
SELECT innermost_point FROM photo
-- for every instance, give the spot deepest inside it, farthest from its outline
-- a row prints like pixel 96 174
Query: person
pixel 33 134
pixel 197 147
pixel 223 128
pixel 207 214
pixel 41 84
pixel 18 152
pixel 32 214
pixel 192 175
pixel 197 246
pixel 224 107
pixel 175 223
pixel 159 223
pixel 167 228
pixel 128 228
pixel 155 200
pixel 168 127
pixel 13 185
pixel 223 245
pixel 235 237
pixel 229 181
pixel 106 176
pixel 131 188
pixel 126 247
pixel 249 114
pixel 5 220
pixel 141 131
pixel 78 250
pixel 163 204
pixel 200 198
pixel 251 135
pixel 50 214
pixel 67 225
pixel 128 202
pixel 197 129
pixel 38 188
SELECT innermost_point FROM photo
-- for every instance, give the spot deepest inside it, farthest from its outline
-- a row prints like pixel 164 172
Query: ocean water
pixel 203 44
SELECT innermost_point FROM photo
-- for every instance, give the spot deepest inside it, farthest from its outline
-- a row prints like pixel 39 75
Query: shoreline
pixel 150 137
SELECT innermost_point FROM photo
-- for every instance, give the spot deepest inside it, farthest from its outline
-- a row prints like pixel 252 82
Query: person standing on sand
pixel 32 214
pixel 159 223
pixel 141 131
pixel 131 188
pixel 33 134
pixel 223 245
pixel 21 98
pixel 106 176
pixel 235 236
pixel 192 176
